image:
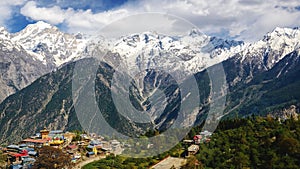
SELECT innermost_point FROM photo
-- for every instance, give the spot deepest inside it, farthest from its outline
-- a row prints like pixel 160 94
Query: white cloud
pixel 6 9
pixel 86 21
pixel 247 19
pixel 12 2
pixel 75 20
pixel 164 24
pixel 53 15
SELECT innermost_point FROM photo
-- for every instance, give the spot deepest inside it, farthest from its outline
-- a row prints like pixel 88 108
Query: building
pixel 192 150
pixel 27 162
pixel 69 136
pixel 44 133
pixel 197 139
pixel 90 154
pixel 188 142
pixel 92 149
pixel 72 148
pixel 12 148
pixel 85 137
pixel 56 134
pixel 13 156
pixel 205 134
pixel 35 142
pixel 56 142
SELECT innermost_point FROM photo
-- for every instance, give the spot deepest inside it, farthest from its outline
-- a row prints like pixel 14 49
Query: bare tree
pixel 52 158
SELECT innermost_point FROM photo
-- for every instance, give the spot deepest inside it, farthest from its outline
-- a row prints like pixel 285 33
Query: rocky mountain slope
pixel 46 44
pixel 261 76
pixel 27 111
pixel 36 50
pixel 17 66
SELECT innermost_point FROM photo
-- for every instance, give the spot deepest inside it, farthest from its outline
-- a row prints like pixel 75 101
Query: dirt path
pixel 89 160
pixel 169 162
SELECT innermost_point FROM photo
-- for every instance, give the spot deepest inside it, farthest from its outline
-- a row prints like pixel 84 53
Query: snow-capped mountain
pixel 36 50
pixel 49 45
pixel 192 51
pixel 262 67
pixel 274 46
pixel 17 66
pixel 262 55
pixel 195 51
pixel 4 34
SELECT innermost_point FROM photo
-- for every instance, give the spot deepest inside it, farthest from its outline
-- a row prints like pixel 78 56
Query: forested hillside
pixel 253 142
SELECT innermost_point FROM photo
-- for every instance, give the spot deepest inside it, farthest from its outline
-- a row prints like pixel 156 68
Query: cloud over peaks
pixel 242 19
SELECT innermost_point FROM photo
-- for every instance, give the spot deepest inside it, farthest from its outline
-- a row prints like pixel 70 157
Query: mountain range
pixel 37 68
pixel 36 50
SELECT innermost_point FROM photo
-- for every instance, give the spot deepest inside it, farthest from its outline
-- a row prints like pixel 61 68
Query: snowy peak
pixel 191 51
pixel 4 34
pixel 270 50
pixel 193 40
pixel 154 40
pixel 196 50
pixel 282 37
pixel 287 32
pixel 48 44
pixel 134 39
pixel 195 32
pixel 33 30
pixel 40 25
pixel 6 44
pixel 224 44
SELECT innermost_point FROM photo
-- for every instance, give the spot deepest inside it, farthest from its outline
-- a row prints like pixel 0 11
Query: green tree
pixel 193 163
pixel 289 146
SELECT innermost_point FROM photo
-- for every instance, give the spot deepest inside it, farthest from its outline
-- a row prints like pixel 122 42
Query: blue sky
pixel 240 19
pixel 18 21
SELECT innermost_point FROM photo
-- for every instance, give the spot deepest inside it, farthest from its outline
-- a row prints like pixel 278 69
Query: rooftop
pixel 193 148
pixel 41 141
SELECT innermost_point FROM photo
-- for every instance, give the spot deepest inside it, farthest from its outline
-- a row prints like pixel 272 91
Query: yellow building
pixel 44 133
pixel 69 136
pixel 56 142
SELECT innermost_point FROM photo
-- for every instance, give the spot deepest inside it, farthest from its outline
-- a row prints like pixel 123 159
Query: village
pixel 83 148
pixel 23 155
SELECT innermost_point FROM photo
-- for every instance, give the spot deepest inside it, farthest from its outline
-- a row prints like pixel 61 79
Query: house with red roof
pixel 197 139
